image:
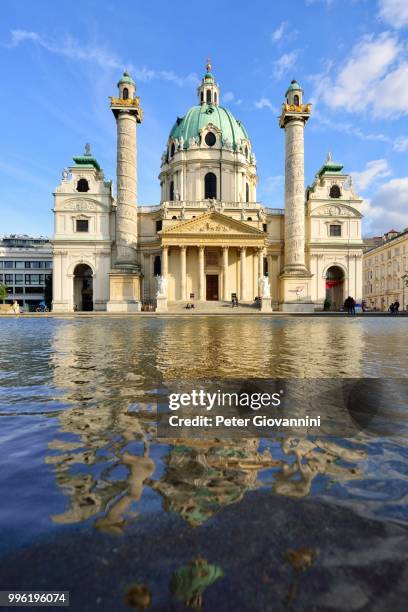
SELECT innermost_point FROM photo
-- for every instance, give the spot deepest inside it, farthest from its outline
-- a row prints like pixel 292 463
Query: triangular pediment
pixel 213 223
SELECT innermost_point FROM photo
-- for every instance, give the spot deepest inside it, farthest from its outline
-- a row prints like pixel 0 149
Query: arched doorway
pixel 83 288
pixel 335 287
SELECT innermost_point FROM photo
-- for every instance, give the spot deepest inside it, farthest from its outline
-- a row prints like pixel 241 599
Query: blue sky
pixel 59 62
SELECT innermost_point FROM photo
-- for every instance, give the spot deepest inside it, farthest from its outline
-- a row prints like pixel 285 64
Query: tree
pixel 3 292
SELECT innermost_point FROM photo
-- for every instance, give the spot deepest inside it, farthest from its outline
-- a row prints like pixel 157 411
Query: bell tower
pixel 125 274
pixel 296 278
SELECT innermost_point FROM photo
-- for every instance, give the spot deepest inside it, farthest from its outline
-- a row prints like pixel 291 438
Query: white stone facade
pixel 208 237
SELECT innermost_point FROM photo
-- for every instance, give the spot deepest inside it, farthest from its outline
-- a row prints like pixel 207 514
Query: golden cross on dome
pixel 209 64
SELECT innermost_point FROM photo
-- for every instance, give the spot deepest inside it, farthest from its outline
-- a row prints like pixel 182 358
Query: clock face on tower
pixel 210 139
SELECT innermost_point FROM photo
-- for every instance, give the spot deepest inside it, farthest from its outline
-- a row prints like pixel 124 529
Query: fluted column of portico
pixel 201 274
pixel 260 263
pixel 242 273
pixel 165 261
pixel 225 273
pixel 183 272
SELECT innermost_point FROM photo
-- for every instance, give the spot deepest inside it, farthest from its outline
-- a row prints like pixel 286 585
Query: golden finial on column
pixel 209 64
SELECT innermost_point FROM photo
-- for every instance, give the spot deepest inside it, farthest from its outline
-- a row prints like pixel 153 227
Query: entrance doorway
pixel 212 287
pixel 83 288
pixel 335 287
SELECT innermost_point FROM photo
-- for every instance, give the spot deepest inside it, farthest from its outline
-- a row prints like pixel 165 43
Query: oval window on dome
pixel 210 139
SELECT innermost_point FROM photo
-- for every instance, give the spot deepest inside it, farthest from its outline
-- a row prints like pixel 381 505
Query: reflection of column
pixel 165 261
pixel 242 267
pixel 201 278
pixel 183 270
pixel 224 273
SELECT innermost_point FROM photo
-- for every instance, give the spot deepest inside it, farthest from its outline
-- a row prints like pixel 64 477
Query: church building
pixel 208 239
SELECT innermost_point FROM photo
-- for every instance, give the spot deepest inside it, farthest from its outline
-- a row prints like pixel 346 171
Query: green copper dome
pixel 126 79
pixel 294 86
pixel 199 117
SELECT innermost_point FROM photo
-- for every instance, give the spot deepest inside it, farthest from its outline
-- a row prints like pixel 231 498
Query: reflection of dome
pixel 199 117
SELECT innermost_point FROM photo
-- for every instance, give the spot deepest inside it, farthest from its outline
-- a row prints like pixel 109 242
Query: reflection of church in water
pixel 208 237
pixel 106 456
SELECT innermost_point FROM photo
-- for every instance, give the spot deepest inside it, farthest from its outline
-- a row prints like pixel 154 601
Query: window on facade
pixel 172 149
pixel 335 191
pixel 247 192
pixel 125 93
pixel 18 289
pixel 8 279
pixel 82 225
pixel 215 97
pixel 157 266
pixel 20 264
pixel 202 97
pixel 210 139
pixel 246 151
pixel 210 185
pixel 82 185
pixel 174 218
pixel 208 96
pixel 18 279
pixel 171 196
pixel 249 218
pixel 296 100
pixel 9 264
pixel 264 227
pixel 335 230
pixel 159 225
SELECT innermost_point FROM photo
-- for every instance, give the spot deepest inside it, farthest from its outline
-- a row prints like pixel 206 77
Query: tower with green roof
pixel 296 278
pixel 125 274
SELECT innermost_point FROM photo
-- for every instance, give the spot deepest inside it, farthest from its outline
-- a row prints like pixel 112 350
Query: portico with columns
pixel 211 258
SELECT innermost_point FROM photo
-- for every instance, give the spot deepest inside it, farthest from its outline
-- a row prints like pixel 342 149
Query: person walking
pixel 396 307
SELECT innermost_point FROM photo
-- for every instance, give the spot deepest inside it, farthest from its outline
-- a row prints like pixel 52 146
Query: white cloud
pixel 374 170
pixel 372 78
pixel 278 33
pixel 72 49
pixel 394 12
pixel 401 144
pixel 387 209
pixel 228 96
pixel 265 103
pixel 284 63
pixel 322 121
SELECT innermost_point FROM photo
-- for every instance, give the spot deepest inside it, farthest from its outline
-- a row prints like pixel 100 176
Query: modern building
pixel 25 267
pixel 209 237
pixel 385 272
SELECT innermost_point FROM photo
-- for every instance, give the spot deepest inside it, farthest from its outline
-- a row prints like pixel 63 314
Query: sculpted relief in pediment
pixel 332 210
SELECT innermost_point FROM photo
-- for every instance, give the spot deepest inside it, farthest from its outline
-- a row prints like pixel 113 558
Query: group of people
pixel 394 308
pixel 350 305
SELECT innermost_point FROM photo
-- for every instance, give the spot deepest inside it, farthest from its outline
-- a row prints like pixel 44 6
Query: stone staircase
pixel 211 307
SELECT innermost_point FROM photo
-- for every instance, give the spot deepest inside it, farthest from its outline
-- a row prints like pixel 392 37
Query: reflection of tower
pixel 125 277
pixel 296 285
